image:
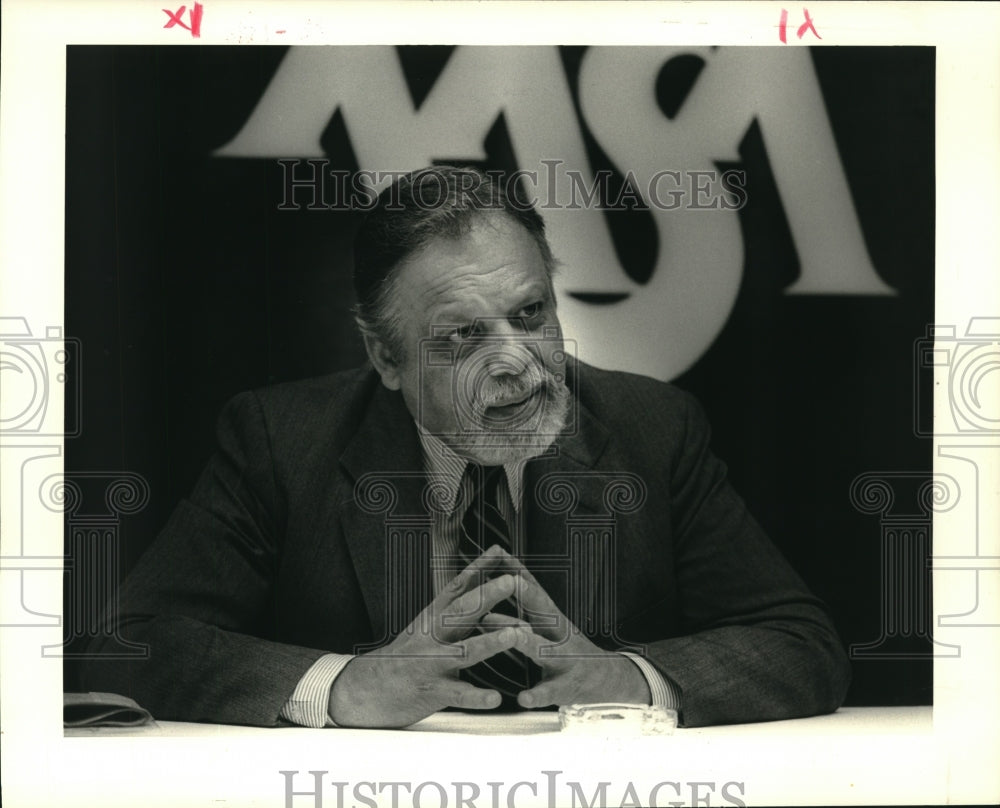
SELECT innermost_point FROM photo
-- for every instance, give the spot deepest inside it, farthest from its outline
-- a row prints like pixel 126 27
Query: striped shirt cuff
pixel 664 692
pixel 309 705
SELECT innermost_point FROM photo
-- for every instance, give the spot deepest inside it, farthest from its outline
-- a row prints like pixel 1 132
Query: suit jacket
pixel 275 558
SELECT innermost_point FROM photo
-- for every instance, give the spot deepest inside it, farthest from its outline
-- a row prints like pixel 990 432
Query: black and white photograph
pixel 502 407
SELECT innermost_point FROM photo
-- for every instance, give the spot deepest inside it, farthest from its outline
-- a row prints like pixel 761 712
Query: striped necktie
pixel 483 525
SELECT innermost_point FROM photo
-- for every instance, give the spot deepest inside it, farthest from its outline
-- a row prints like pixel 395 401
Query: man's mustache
pixel 500 391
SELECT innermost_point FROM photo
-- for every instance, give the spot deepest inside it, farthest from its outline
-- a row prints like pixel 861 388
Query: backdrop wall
pixel 205 256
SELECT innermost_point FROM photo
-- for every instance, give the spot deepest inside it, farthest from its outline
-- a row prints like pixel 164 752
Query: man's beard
pixel 499 438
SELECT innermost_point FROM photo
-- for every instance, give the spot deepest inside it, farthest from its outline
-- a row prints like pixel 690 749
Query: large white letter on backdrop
pixel 659 328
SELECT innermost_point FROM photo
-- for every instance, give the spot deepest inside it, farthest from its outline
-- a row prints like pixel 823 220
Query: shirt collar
pixel 448 468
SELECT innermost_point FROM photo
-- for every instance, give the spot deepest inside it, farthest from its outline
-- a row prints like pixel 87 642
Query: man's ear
pixel 385 361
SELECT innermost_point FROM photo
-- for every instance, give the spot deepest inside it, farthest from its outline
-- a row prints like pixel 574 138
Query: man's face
pixel 483 367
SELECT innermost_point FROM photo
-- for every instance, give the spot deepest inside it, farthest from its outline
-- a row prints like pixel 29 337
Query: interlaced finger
pixel 465 612
pixel 491 643
pixel 538 608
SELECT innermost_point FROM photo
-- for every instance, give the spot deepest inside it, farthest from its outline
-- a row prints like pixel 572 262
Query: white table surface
pixel 857 755
pixel 864 721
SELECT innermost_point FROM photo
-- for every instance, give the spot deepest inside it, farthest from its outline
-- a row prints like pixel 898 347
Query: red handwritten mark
pixel 808 25
pixel 281 31
pixel 194 15
pixel 199 9
pixel 175 18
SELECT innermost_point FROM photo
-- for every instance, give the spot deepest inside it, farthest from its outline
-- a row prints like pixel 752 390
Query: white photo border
pixel 954 763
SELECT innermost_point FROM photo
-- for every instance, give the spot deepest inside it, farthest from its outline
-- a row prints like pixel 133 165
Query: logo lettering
pixel 690 292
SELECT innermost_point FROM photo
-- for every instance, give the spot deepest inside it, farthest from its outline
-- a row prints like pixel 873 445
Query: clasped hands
pixel 418 672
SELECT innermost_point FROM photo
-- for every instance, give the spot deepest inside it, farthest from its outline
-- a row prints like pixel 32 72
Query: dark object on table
pixel 102 710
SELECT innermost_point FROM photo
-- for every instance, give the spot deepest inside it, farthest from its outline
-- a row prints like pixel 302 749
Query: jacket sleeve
pixel 756 645
pixel 200 595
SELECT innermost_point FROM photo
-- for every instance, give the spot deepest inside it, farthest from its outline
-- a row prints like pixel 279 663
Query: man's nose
pixel 509 353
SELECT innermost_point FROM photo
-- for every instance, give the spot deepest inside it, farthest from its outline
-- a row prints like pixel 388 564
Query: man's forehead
pixel 487 265
pixel 471 294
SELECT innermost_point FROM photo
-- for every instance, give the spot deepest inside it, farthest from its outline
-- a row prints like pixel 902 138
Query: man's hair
pixel 415 210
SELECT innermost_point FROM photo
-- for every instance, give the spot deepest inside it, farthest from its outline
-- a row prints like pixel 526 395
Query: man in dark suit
pixel 476 520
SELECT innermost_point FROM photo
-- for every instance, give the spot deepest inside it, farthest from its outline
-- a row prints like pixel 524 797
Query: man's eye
pixel 463 333
pixel 532 309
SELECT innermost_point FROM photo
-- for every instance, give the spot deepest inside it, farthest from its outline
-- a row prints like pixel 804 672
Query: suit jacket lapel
pixel 562 491
pixel 385 464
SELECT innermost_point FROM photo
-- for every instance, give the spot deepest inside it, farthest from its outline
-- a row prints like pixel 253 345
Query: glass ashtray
pixel 617 719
